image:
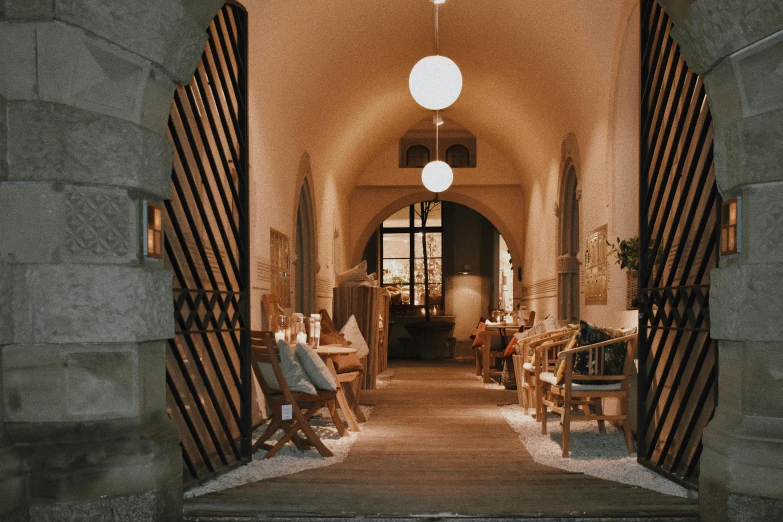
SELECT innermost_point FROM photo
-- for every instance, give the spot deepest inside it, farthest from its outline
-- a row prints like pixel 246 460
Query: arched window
pixel 458 156
pixel 417 156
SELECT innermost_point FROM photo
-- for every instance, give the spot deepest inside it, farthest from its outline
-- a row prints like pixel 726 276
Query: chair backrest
pixel 530 322
pixel 271 306
pixel 264 351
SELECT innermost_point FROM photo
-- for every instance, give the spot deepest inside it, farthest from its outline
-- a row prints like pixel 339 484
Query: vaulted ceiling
pixel 333 75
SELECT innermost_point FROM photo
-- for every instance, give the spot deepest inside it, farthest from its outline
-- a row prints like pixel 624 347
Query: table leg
pixel 342 401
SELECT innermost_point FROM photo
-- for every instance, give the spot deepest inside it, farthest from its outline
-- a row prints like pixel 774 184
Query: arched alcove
pixel 305 252
pixel 567 264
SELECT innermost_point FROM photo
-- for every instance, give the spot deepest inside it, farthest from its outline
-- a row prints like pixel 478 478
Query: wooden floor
pixel 436 446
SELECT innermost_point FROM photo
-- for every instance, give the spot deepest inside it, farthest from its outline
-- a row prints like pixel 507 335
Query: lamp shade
pixel 437 176
pixel 435 82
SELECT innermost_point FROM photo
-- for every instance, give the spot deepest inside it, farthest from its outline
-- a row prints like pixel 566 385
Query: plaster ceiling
pixel 332 75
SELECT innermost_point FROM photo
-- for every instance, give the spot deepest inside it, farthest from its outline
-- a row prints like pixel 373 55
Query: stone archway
pixel 85 100
pixel 738 50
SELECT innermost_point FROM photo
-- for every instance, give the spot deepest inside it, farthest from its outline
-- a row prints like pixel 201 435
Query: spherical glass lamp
pixel 437 176
pixel 435 82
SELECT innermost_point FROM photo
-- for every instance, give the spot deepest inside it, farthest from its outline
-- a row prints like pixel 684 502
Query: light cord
pixel 437 37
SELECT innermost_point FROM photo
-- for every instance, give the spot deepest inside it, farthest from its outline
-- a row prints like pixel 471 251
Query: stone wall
pixel 85 91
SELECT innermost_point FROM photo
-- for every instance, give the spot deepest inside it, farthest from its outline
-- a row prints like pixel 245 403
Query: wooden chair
pixel 525 367
pixel 303 405
pixel 531 320
pixel 271 306
pixel 568 396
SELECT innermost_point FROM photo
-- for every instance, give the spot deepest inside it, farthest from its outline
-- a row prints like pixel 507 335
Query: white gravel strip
pixel 288 460
pixel 592 453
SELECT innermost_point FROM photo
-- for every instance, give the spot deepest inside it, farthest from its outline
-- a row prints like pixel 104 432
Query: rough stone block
pixel 763 226
pixel 6 307
pixel 12 485
pixel 91 304
pixel 161 31
pixel 710 30
pixel 77 69
pixel 46 223
pixel 745 302
pixel 17 61
pixel 762 378
pixel 28 9
pixel 151 506
pixel 156 102
pixel 52 142
pixel 3 141
pixel 82 382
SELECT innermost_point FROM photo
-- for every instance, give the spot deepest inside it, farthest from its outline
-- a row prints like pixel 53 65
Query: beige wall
pixel 607 170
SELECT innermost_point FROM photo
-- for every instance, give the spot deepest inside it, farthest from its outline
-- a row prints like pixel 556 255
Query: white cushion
pixel 352 333
pixel 315 368
pixel 617 386
pixel 355 276
pixel 549 324
pixel 547 377
pixel 529 367
pixel 292 371
pixel 550 378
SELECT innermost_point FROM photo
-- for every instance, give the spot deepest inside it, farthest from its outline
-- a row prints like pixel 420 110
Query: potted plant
pixel 627 253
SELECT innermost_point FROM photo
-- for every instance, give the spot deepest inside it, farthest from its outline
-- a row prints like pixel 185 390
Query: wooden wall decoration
pixel 596 274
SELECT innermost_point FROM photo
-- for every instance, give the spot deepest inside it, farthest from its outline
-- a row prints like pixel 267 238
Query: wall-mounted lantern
pixel 153 230
pixel 730 231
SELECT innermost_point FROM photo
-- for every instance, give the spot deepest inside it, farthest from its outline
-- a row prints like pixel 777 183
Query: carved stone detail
pixel 97 224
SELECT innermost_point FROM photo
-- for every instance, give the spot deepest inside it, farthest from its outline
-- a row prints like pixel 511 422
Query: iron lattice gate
pixel 207 370
pixel 679 222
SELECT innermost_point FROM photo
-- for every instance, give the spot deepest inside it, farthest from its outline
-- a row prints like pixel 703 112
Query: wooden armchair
pixel 303 405
pixel 563 391
pixel 525 367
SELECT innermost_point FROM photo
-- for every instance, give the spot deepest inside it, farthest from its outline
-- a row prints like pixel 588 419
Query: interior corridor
pixel 437 444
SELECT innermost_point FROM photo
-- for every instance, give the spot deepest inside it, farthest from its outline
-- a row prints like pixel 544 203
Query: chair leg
pixel 566 420
pixel 353 402
pixel 542 409
pixel 599 410
pixel 338 422
pixel 485 363
pixel 626 424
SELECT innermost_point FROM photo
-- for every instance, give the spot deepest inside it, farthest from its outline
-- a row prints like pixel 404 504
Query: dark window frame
pixel 451 155
pixel 417 148
pixel 412 230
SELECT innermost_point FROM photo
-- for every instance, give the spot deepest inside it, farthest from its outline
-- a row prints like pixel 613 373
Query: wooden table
pixel 328 353
pixel 501 329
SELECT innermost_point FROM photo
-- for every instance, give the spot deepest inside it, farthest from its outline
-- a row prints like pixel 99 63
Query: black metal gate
pixel 679 232
pixel 207 245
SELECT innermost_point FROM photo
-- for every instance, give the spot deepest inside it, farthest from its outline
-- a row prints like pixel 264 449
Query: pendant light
pixel 435 81
pixel 437 175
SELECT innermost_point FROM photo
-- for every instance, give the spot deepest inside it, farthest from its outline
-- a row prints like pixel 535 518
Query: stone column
pixel 85 92
pixel 737 45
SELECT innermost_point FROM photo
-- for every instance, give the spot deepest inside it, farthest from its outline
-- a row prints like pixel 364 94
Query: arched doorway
pixel 568 246
pixel 304 293
pixel 469 267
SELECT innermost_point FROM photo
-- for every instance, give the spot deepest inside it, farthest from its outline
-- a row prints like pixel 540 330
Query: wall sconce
pixel 730 230
pixel 466 269
pixel 153 230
